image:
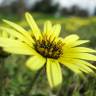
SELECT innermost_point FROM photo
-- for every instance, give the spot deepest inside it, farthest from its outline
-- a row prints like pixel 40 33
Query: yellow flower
pixel 48 49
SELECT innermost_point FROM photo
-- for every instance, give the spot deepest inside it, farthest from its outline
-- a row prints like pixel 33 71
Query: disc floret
pixel 49 48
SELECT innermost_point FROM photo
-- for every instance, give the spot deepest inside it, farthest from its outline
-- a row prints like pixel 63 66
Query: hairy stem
pixel 32 83
pixel 2 74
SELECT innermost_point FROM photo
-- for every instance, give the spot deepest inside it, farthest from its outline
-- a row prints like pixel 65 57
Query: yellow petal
pixel 70 65
pixel 47 28
pixel 84 56
pixel 17 35
pixel 79 42
pixel 8 42
pixel 56 30
pixel 36 62
pixel 0 34
pixel 83 65
pixel 4 34
pixel 89 65
pixel 71 39
pixel 54 74
pixel 83 49
pixel 15 46
pixel 78 50
pixel 19 29
pixel 19 50
pixel 33 25
pixel 79 65
pixel 75 42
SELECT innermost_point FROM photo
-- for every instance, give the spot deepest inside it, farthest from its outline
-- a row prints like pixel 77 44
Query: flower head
pixel 47 48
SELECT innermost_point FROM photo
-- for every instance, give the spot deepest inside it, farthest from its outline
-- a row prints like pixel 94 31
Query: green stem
pixel 59 90
pixel 33 82
pixel 2 74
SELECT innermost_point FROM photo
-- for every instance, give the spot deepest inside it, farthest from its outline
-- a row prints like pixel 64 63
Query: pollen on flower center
pixel 49 48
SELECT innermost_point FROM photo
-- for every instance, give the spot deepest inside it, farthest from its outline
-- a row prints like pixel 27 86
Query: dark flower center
pixel 49 48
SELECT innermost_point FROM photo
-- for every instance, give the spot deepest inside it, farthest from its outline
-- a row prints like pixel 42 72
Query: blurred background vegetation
pixel 75 18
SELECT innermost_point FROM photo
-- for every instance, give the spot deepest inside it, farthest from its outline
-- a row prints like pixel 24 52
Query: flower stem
pixel 33 82
pixel 59 91
pixel 2 74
